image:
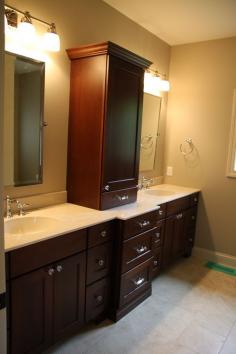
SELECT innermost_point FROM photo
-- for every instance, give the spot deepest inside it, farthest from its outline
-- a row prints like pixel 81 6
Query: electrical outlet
pixel 169 171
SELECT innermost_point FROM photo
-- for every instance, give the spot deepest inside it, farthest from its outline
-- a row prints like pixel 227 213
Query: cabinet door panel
pixel 31 315
pixel 122 128
pixel 69 295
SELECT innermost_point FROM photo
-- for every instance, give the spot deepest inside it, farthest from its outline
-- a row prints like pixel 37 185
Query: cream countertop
pixel 72 217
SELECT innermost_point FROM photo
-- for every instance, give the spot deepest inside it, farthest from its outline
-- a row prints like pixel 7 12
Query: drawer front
pixel 100 233
pixel 177 206
pixel 97 299
pixel 31 257
pixel 194 199
pixel 117 198
pixel 135 281
pixel 158 234
pixel 156 263
pixel 99 262
pixel 139 224
pixel 137 250
pixel 161 213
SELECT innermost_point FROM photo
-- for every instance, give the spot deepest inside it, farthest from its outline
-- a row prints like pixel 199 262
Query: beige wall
pixel 203 77
pixel 80 22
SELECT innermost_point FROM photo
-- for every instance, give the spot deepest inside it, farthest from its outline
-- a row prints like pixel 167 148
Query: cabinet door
pixel 69 295
pixel 175 238
pixel 122 125
pixel 31 312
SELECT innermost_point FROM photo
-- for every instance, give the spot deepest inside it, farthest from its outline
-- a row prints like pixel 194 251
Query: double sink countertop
pixel 53 221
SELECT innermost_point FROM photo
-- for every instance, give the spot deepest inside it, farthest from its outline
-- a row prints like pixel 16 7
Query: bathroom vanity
pixel 95 264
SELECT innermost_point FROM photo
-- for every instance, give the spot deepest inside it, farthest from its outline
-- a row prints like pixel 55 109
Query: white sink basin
pixel 30 225
pixel 159 192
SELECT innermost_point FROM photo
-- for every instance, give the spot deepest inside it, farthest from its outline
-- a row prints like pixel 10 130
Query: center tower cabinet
pixel 106 95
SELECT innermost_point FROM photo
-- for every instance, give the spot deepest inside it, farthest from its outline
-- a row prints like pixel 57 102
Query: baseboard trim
pixel 208 255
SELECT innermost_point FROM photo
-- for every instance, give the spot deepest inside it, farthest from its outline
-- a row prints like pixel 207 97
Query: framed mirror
pixel 150 131
pixel 23 120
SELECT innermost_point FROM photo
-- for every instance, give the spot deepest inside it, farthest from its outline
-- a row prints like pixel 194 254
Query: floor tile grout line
pixel 226 338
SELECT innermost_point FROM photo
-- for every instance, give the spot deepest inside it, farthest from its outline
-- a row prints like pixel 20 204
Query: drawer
pixel 135 282
pixel 194 199
pixel 156 263
pixel 97 299
pixel 158 234
pixel 177 206
pixel 99 262
pixel 137 250
pixel 117 198
pixel 139 224
pixel 100 233
pixel 161 213
pixel 35 256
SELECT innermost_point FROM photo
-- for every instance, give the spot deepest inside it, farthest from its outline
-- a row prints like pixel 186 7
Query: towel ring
pixel 190 145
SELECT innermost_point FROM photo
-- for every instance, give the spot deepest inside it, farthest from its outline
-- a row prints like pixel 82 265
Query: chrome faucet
pixel 9 201
pixel 21 207
pixel 145 183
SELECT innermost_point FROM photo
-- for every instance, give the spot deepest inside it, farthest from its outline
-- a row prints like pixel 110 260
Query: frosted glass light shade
pixel 26 32
pixel 51 42
pixel 164 85
pixel 151 84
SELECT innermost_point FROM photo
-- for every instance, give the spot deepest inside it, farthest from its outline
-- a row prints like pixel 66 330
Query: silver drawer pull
pixel 155 263
pixel 141 249
pixel 99 298
pixel 190 240
pixel 107 188
pixel 193 217
pixel 160 212
pixel 139 281
pixel 122 197
pixel 195 200
pixel 59 268
pixel 51 271
pixel 157 237
pixel 100 262
pixel 179 216
pixel 103 233
pixel 144 223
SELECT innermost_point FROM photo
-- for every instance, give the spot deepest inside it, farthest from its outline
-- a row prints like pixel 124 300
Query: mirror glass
pixel 149 133
pixel 23 120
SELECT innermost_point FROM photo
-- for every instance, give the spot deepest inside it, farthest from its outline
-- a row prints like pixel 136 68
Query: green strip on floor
pixel 221 268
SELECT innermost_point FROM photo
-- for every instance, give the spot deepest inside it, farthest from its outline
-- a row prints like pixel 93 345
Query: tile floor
pixel 192 311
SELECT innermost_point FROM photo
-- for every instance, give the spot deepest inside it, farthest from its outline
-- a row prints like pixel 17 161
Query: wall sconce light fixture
pixel 25 30
pixel 154 82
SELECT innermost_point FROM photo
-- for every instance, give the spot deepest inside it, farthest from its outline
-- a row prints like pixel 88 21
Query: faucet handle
pixel 21 207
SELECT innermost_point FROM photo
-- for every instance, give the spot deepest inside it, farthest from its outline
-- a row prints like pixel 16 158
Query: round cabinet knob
pixel 107 188
pixel 101 262
pixel 193 217
pixel 190 240
pixel 160 212
pixel 195 199
pixel 59 268
pixel 155 263
pixel 51 271
pixel 103 233
pixel 99 298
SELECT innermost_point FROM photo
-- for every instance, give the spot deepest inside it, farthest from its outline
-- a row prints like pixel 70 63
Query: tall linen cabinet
pixel 106 94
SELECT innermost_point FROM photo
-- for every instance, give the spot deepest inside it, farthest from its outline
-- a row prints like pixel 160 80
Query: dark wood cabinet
pixel 104 125
pixel 31 312
pixel 47 304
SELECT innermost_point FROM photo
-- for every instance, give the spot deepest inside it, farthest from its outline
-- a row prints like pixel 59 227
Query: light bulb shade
pixel 26 32
pixel 151 84
pixel 164 85
pixel 51 42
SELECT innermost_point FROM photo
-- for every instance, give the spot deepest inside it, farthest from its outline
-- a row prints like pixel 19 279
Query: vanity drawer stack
pixel 135 260
pixel 99 267
pixel 158 240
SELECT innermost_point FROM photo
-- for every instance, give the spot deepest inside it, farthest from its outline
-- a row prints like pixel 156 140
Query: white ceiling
pixel 182 21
